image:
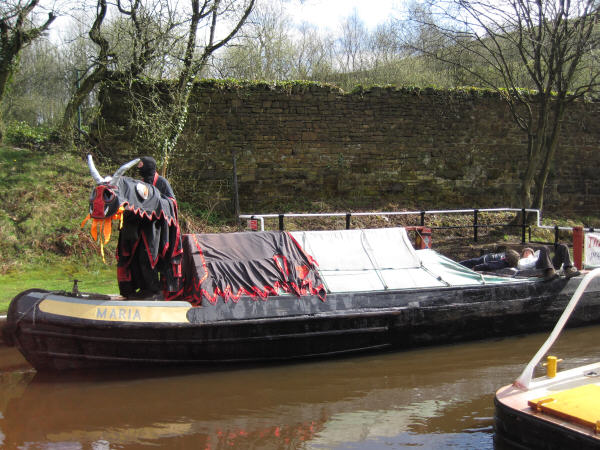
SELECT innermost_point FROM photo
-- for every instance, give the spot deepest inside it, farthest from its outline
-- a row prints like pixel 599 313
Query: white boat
pixel 560 410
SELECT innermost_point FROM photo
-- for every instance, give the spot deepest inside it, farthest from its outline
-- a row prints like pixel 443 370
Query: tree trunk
pixel 550 150
pixel 67 127
pixel 1 127
pixel 13 37
pixel 181 95
pixel 538 157
pixel 5 73
pixel 192 67
pixel 6 69
pixel 528 178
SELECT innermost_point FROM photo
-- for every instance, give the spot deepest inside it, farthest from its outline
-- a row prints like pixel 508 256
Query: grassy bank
pixel 101 279
pixel 43 198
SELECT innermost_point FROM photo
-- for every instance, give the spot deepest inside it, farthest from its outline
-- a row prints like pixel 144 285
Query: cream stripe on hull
pixel 115 311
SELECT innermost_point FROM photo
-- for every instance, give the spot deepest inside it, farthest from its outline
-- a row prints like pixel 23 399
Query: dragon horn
pixel 121 170
pixel 95 175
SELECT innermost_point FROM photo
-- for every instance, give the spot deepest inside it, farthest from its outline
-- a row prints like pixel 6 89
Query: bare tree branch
pixel 549 41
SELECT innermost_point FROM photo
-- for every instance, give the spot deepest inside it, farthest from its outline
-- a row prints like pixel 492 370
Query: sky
pixel 330 13
pixel 325 14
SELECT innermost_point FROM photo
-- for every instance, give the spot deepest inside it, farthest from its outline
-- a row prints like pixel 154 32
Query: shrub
pixel 23 134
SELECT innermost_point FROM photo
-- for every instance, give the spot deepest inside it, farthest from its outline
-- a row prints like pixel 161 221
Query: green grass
pixel 98 277
pixel 43 199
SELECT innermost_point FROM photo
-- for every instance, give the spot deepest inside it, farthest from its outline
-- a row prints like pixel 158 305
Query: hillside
pixel 43 199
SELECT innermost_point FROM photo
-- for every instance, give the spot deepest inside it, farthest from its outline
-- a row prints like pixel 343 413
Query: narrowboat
pixel 271 296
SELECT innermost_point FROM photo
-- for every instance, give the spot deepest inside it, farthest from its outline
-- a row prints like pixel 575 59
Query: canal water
pixel 432 398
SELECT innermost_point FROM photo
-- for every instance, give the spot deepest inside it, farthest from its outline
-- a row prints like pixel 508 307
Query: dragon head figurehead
pixel 114 195
pixel 106 203
pixel 104 199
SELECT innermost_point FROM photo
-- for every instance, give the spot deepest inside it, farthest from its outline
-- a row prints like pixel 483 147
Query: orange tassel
pixel 106 230
pixel 119 216
pixel 85 220
pixel 94 230
pixel 102 252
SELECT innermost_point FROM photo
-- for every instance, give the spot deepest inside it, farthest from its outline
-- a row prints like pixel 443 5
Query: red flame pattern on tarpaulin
pixel 258 265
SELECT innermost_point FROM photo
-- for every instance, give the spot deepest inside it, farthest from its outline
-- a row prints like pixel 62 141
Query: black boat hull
pixel 58 331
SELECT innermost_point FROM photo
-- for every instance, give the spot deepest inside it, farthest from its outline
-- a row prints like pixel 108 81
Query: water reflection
pixel 438 397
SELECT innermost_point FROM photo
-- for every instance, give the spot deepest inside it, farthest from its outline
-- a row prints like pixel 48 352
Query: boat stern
pixel 552 413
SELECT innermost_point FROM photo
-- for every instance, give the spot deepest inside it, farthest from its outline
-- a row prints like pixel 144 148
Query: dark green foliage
pixel 22 134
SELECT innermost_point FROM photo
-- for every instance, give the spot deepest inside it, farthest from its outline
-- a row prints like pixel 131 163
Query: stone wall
pixel 297 144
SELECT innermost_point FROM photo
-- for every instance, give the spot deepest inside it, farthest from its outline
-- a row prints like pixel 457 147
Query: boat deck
pixel 568 401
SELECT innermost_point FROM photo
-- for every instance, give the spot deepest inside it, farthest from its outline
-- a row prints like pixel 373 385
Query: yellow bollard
pixel 551 366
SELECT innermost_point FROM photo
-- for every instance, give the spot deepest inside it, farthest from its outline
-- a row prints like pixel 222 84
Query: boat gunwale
pixel 354 312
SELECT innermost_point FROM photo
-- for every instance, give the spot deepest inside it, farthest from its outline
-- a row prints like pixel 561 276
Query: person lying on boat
pixel 491 262
pixel 540 260
pixel 138 270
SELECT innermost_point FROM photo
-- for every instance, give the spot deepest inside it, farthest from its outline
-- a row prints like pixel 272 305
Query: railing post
pixel 253 223
pixel 523 225
pixel 280 222
pixel 348 221
pixel 578 247
pixel 555 234
pixel 475 211
pixel 236 194
pixel 422 218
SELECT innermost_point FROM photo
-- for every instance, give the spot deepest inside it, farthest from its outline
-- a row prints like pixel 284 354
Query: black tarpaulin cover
pixel 256 264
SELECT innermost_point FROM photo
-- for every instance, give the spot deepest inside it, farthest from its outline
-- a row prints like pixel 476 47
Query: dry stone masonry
pixel 298 143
